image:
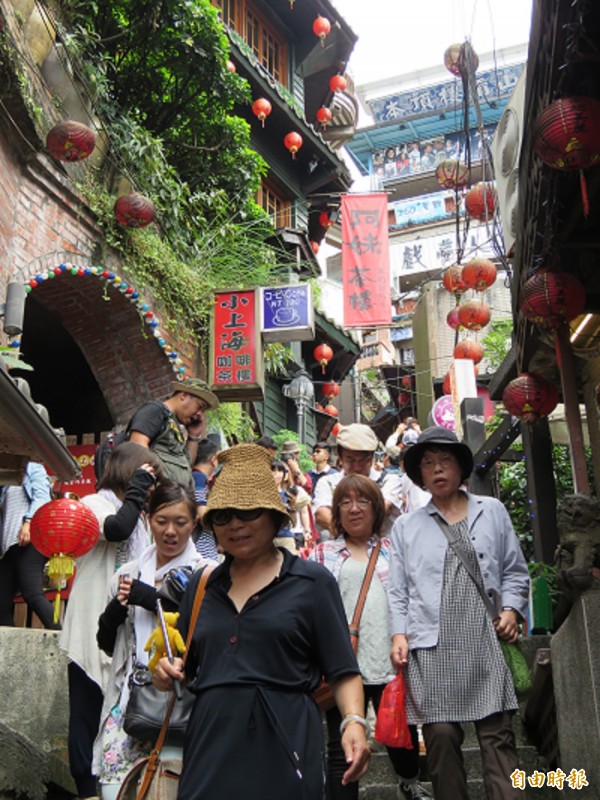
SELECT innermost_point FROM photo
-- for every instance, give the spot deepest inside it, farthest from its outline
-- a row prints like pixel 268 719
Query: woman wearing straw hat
pixel 270 626
pixel 446 558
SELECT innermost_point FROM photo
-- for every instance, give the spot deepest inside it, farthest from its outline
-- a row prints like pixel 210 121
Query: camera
pixel 287 457
pixel 293 490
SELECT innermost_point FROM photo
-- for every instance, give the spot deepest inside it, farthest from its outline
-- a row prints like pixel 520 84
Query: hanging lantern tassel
pixel 584 194
pixel 60 569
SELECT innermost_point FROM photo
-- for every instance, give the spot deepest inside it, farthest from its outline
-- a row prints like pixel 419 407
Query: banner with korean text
pixel 236 369
pixel 365 261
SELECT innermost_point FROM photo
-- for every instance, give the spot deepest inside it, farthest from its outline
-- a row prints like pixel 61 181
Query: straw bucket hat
pixel 244 480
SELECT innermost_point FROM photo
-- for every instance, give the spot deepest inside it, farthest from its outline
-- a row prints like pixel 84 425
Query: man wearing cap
pixel 356 448
pixel 290 453
pixel 172 428
pixel 321 455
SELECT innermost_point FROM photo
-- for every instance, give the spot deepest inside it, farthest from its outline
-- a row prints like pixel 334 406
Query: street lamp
pixel 301 390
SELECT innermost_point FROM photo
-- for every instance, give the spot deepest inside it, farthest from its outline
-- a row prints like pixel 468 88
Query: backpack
pixel 116 438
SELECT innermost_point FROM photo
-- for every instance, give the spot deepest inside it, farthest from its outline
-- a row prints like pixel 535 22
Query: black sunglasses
pixel 223 516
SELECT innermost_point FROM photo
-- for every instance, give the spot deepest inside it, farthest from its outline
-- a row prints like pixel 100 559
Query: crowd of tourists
pixel 272 578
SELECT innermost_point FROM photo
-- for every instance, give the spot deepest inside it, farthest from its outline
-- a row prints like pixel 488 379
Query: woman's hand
pixel 124 589
pixel 507 626
pixel 357 752
pixel 24 535
pixel 399 651
pixel 165 673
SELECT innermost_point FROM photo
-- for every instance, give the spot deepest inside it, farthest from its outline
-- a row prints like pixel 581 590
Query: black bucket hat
pixel 437 436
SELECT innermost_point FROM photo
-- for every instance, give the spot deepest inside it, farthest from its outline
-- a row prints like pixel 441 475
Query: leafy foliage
pixel 497 342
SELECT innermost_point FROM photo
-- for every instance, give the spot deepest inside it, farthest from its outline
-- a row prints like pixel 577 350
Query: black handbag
pixel 147 706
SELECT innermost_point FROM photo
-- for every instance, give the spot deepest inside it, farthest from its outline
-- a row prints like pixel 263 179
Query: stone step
pixel 475 788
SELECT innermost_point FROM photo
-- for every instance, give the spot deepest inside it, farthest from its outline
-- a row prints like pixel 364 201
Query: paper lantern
pixel 134 210
pixel 324 116
pixel 469 349
pixel 325 220
pixel 337 83
pixel 453 319
pixel 314 246
pixel 331 410
pixel 403 398
pixel 550 299
pixel 452 174
pixel 293 142
pixel 331 389
pixel 230 66
pixel 452 280
pixel 261 108
pixel 336 429
pixel 70 141
pixel 474 315
pixel 62 530
pixel 455 60
pixel 479 274
pixel 566 136
pixel 480 201
pixel 530 397
pixel 323 354
pixel 407 381
pixel 322 28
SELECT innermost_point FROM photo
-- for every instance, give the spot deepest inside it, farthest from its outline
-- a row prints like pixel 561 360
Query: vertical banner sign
pixel 365 261
pixel 236 363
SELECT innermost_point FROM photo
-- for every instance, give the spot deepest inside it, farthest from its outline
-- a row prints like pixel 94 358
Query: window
pixel 277 207
pixel 267 44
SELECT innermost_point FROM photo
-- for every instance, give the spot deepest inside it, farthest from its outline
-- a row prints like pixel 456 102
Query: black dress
pixel 255 731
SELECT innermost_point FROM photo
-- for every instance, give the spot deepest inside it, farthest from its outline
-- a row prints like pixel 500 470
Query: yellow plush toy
pixel 156 641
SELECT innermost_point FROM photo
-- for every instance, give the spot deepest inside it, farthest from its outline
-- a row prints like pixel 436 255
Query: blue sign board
pixel 287 313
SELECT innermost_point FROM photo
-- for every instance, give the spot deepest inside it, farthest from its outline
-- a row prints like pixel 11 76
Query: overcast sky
pixel 398 36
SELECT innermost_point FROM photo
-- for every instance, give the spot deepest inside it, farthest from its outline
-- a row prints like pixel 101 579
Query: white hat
pixel 357 437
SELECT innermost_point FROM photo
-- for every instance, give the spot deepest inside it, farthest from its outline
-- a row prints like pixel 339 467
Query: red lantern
pixel 134 210
pixel 474 315
pixel 314 246
pixel 550 299
pixel 261 108
pixel 322 28
pixel 566 136
pixel 62 530
pixel 453 320
pixel 325 220
pixel 336 429
pixel 530 397
pixel 337 83
pixel 323 353
pixel 331 410
pixel 407 381
pixel 480 201
pixel 324 116
pixel 452 174
pixel 70 141
pixel 331 390
pixel 479 274
pixel 403 398
pixel 452 280
pixel 230 66
pixel 293 142
pixel 454 59
pixel 469 349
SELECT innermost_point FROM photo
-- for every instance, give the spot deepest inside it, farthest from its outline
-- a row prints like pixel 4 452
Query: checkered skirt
pixel 464 677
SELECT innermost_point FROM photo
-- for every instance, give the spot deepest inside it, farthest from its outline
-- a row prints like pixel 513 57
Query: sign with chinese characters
pixel 423 209
pixel 286 313
pixel 236 368
pixel 86 482
pixel 435 253
pixel 365 261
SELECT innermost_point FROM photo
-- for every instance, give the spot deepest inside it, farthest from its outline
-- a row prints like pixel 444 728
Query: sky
pixel 398 36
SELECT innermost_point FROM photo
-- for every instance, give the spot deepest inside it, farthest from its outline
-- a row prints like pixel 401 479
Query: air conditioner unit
pixel 506 152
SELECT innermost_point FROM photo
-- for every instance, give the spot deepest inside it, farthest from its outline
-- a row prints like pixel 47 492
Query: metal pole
pixel 300 404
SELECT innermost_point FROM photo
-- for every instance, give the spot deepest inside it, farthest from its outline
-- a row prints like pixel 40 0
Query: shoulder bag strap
pixel 458 549
pixel 362 595
pixel 153 759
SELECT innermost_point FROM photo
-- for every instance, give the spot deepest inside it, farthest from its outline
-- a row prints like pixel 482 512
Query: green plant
pixel 12 359
pixel 497 342
pixel 236 425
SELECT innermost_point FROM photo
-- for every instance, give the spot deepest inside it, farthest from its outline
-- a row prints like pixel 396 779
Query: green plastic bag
pixel 517 665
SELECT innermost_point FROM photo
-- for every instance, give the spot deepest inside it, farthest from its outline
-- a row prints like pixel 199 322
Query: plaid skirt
pixel 464 677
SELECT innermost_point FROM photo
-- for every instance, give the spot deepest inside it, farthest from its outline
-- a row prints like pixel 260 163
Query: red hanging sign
pixel 365 261
pixel 236 363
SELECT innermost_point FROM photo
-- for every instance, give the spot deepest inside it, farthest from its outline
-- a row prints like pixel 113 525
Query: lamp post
pixel 301 390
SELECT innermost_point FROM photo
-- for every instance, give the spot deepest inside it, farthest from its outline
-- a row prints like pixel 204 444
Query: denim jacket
pixel 417 566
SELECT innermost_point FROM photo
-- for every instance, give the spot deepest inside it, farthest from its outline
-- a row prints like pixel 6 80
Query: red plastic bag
pixel 391 727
